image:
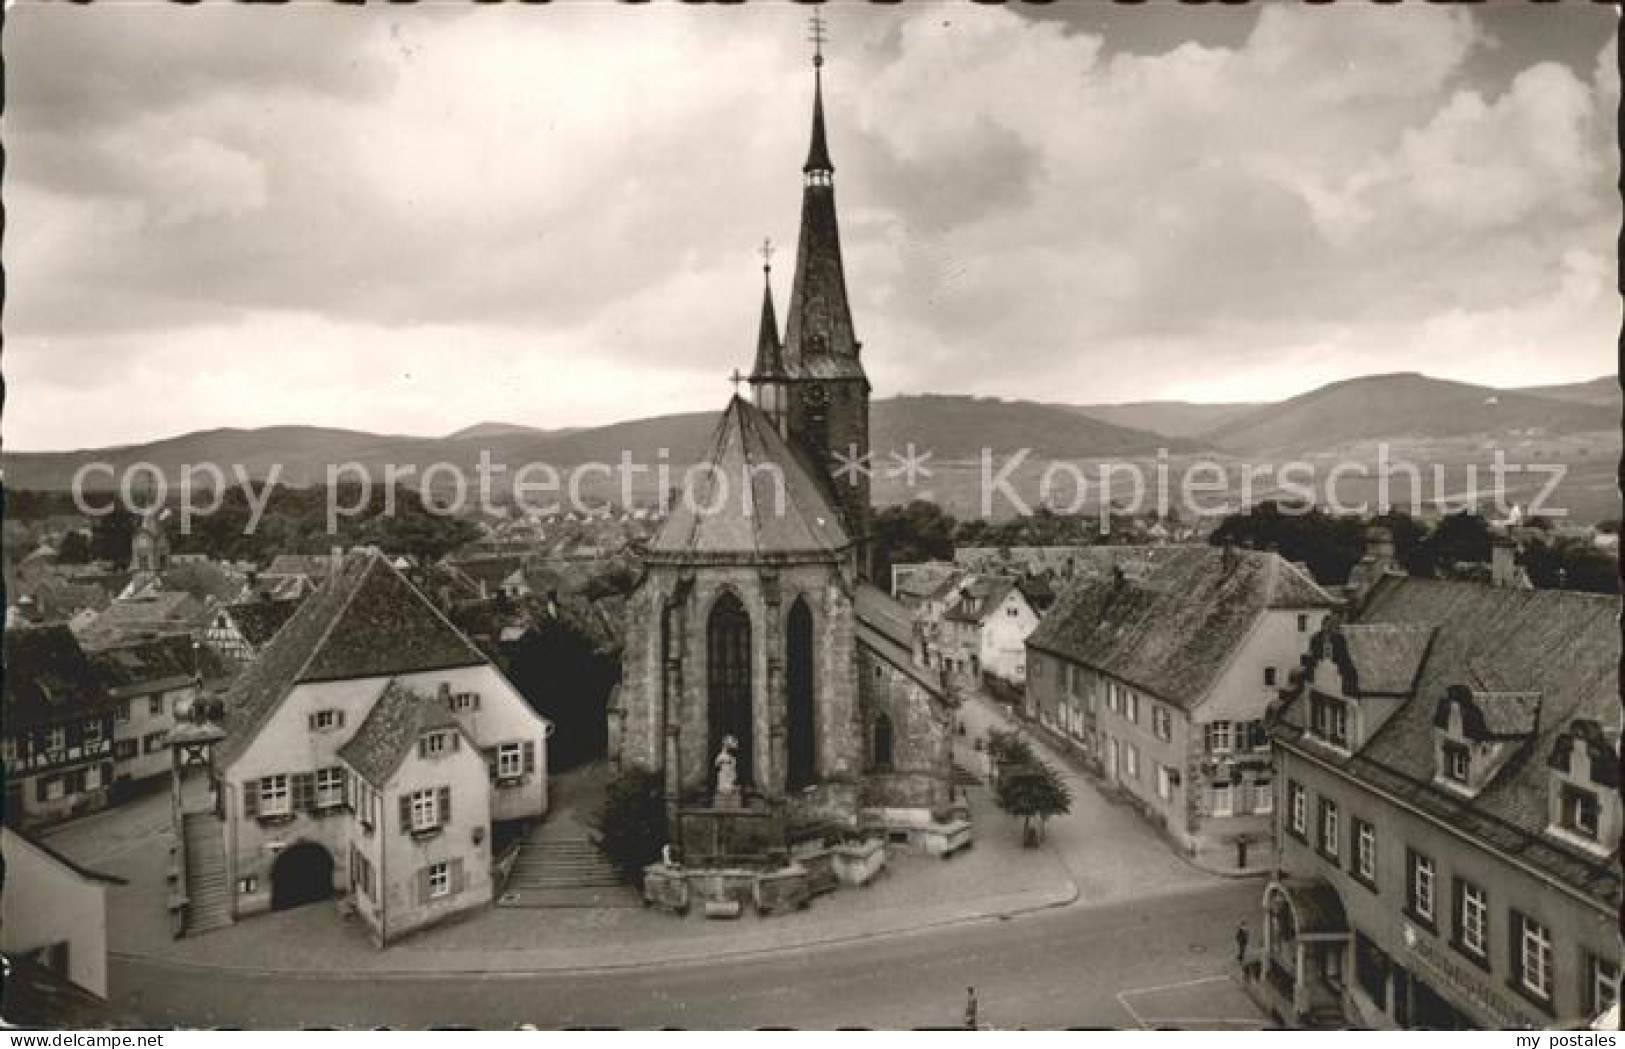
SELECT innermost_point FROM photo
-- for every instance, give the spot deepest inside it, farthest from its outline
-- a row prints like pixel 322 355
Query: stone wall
pixel 922 735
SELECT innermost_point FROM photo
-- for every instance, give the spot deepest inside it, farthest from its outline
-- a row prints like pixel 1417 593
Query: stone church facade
pixel 755 618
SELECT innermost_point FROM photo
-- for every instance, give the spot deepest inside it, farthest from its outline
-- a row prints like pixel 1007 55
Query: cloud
pixel 570 196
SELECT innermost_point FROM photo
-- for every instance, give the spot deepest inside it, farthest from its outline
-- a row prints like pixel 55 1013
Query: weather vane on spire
pixel 819 36
pixel 766 251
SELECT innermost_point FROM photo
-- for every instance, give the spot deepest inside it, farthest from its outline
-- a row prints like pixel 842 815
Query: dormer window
pixel 1579 811
pixel 1329 720
pixel 1584 791
pixel 1458 762
pixel 436 744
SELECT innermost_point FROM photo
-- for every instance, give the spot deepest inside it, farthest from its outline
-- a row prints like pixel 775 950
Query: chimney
pixel 1503 563
pixel 1379 544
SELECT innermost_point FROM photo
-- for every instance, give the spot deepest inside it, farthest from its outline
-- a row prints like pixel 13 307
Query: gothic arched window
pixel 801 728
pixel 880 748
pixel 727 637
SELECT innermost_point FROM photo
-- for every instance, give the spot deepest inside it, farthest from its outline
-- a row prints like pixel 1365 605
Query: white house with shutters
pixel 369 750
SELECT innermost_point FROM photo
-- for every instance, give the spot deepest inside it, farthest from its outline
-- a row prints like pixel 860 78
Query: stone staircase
pixel 208 903
pixel 564 872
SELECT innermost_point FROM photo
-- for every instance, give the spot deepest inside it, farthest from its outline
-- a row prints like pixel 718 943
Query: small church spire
pixel 818 167
pixel 769 360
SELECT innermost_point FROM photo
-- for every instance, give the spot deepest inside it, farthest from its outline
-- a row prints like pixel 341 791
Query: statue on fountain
pixel 727 775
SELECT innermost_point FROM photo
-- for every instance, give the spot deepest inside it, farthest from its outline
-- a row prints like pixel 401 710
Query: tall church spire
pixel 818 327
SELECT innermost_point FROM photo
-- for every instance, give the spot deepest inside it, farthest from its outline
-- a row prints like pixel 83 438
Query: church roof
pixel 757 498
pixel 364 621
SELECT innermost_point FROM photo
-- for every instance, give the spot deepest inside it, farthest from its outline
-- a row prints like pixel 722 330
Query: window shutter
pixel 490 760
pixel 456 741
pixel 458 880
pixel 251 797
pixel 445 805
pixel 304 791
pixel 476 701
pixel 530 755
pixel 406 814
pixel 339 718
pixel 1515 944
pixel 310 719
pixel 423 886
pixel 423 747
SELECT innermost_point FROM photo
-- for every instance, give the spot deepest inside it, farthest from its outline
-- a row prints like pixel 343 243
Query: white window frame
pixel 434 745
pixel 461 701
pixel 1422 885
pixel 90 735
pixel 1297 807
pixel 56 738
pixel 510 760
pixel 1220 738
pixel 329 787
pixel 1474 918
pixel 325 720
pixel 1337 728
pixel 1132 708
pixel 276 795
pixel 1162 722
pixel 1165 783
pixel 439 880
pixel 1602 977
pixel 1535 957
pixel 1329 828
pixel 1226 792
pixel 1131 760
pixel 1263 797
pixel 1365 850
pixel 425 810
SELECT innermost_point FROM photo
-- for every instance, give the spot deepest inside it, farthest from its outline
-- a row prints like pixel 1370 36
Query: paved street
pixel 1102 926
pixel 1162 961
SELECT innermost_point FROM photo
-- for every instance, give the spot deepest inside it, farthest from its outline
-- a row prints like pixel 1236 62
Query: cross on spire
pixel 766 251
pixel 818 35
pixel 736 379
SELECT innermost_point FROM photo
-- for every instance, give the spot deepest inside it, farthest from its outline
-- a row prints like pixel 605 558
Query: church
pixel 755 629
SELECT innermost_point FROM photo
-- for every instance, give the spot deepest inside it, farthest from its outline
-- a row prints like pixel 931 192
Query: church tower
pixel 826 410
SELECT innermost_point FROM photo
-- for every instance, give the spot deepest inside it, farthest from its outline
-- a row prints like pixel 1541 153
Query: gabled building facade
pixel 1449 808
pixel 1161 678
pixel 368 664
pixel 58 728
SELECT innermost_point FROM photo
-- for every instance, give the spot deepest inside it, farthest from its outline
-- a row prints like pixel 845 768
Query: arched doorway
pixel 302 873
pixel 801 728
pixel 727 635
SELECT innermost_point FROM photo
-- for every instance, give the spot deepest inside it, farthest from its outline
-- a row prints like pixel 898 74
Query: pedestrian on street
pixel 1241 943
pixel 970 1008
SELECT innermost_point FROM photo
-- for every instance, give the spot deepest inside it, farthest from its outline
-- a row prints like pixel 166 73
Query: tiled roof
pixel 1172 630
pixel 48 678
pixel 299 564
pixel 162 662
pixel 492 571
pixel 392 727
pixel 1566 643
pixel 984 592
pixel 259 621
pixel 885 614
pixel 719 519
pixel 1384 658
pixel 364 621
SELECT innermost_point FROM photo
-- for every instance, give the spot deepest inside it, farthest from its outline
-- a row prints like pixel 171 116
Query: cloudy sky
pixel 412 219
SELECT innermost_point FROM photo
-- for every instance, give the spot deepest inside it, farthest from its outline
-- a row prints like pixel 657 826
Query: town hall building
pixel 755 622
